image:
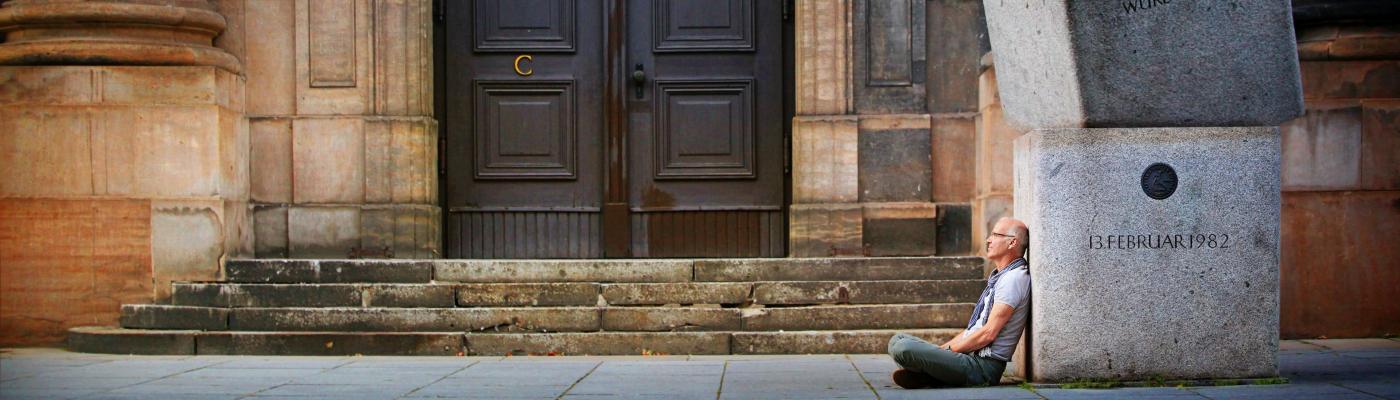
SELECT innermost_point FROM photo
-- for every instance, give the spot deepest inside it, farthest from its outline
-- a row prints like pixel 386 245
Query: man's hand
pixel 976 340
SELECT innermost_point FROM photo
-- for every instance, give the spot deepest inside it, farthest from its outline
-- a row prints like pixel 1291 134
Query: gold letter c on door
pixel 522 58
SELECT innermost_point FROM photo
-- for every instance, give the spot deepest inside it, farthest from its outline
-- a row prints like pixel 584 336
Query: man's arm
pixel 976 340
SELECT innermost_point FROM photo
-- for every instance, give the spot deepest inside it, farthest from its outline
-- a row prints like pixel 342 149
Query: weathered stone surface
pixel 1337 265
pixel 338 78
pixel 867 292
pixel 187 242
pixel 838 269
pixel 1375 79
pixel 598 343
pixel 377 271
pixel 895 165
pixel 825 160
pixel 523 271
pixel 410 295
pixel 403 58
pixel 954 150
pixel 1322 150
pixel 899 229
pixel 172 33
pixel 270 153
pixel 828 342
pixel 1329 38
pixel 268 30
pixel 155 316
pixel 1067 64
pixel 891 316
pixel 322 232
pixel 954 230
pixel 330 163
pixel 957 38
pixel 331 343
pixel 118 148
pixel 129 341
pixel 270 231
pixel 675 293
pixel 527 294
pixel 995 141
pixel 889 65
pixel 1212 247
pixel 266 295
pixel 329 271
pixel 70 263
pixel 669 319
pixel 1380 157
pixel 574 319
pixel 823 57
pixel 824 230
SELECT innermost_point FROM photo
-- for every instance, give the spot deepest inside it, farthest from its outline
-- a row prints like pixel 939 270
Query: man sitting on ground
pixel 978 355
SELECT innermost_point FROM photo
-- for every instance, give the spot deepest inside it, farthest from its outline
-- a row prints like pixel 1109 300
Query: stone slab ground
pixel 1332 369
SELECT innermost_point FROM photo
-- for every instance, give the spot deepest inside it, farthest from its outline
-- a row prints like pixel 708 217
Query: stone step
pixel 446 295
pixel 189 342
pixel 603 271
pixel 329 271
pixel 546 319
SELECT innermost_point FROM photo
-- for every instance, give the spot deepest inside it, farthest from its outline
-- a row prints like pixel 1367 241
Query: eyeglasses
pixel 1003 235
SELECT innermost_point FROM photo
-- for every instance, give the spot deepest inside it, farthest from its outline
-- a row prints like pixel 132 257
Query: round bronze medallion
pixel 1159 181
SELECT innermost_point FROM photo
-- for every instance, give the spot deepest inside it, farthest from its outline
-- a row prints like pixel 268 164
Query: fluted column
pixel 112 32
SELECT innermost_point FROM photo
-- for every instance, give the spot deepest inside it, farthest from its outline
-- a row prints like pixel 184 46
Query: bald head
pixel 1008 240
pixel 1018 229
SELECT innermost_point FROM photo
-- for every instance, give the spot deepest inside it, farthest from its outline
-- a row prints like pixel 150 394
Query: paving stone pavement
pixel 1331 369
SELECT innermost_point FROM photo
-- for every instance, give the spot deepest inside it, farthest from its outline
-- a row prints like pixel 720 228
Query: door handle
pixel 639 77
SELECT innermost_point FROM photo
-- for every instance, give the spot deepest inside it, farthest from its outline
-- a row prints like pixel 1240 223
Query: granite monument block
pixel 1145 63
pixel 1154 251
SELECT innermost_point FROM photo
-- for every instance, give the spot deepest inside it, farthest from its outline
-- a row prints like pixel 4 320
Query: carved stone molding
pixel 112 32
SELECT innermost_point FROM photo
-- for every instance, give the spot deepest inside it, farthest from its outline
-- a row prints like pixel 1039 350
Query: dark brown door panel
pixel 696 168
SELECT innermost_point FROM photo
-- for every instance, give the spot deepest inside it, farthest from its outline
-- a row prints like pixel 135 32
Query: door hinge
pixel 439 11
pixel 441 152
pixel 787 10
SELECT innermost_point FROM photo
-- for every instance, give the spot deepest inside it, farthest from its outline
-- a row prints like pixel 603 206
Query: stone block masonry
pixel 344 141
pixel 117 180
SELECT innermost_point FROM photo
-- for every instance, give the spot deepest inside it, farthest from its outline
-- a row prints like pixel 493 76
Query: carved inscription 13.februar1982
pixel 1153 241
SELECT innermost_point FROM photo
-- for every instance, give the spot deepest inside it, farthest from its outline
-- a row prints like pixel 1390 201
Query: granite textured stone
pixel 1106 257
pixel 1145 63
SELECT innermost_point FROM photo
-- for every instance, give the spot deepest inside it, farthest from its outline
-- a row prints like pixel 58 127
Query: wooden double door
pixel 614 128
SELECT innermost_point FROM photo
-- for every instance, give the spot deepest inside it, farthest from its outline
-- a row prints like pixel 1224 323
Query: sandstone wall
pixel 343 144
pixel 120 175
pixel 1341 186
pixel 883 137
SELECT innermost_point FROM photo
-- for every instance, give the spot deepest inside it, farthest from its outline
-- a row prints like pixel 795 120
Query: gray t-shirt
pixel 1012 289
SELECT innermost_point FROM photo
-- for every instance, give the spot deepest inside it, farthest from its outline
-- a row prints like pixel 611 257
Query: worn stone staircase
pixel 575 307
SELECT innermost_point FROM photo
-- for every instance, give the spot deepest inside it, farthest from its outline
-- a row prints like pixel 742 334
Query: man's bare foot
pixel 912 380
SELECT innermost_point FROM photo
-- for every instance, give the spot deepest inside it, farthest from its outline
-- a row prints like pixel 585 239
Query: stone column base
pixel 1138 274
pixel 115 182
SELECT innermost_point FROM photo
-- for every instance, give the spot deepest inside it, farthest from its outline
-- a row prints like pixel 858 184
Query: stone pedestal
pixel 123 159
pixel 115 182
pixel 1154 251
